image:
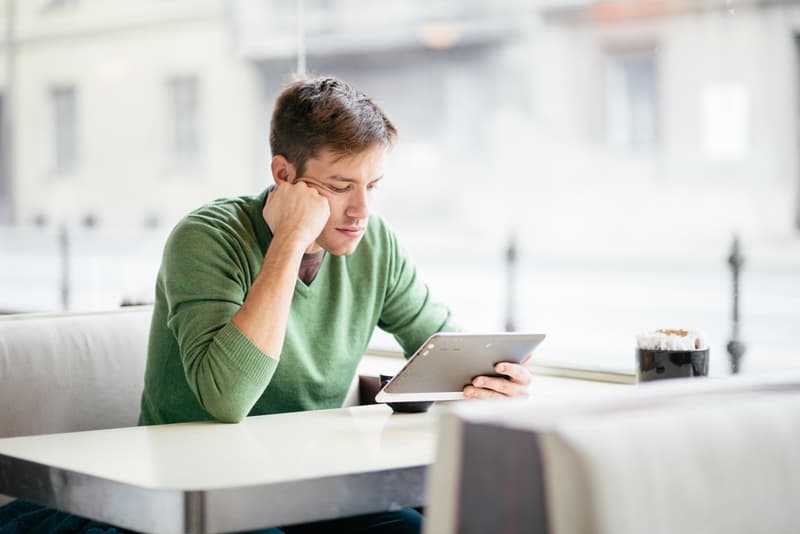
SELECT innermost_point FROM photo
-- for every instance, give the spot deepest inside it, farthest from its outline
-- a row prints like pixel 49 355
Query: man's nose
pixel 359 205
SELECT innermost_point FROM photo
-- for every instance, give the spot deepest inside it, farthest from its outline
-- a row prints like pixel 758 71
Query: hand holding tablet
pixel 449 361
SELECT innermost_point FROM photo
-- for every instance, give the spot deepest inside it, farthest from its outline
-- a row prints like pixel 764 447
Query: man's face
pixel 348 182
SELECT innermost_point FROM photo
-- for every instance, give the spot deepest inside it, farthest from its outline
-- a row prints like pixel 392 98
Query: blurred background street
pixel 591 307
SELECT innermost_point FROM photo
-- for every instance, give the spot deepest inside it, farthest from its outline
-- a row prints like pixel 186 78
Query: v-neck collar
pixel 310 264
pixel 304 290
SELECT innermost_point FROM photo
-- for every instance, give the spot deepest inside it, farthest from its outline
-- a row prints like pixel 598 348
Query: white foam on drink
pixel 671 339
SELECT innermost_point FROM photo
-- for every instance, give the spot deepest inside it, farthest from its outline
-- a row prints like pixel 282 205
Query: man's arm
pixel 296 214
pixel 265 310
pixel 206 282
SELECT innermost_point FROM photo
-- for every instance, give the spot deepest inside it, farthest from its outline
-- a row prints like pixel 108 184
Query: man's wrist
pixel 293 239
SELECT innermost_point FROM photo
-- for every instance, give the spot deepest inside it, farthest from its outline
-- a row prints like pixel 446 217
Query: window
pixel 65 113
pixel 632 101
pixel 184 112
pixel 725 121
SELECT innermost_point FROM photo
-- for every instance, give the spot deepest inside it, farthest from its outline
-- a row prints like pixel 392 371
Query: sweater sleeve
pixel 205 281
pixel 409 312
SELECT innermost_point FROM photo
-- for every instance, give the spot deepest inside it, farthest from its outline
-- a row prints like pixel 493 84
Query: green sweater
pixel 201 367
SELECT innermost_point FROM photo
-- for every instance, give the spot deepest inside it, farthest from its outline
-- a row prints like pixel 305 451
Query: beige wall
pixel 119 59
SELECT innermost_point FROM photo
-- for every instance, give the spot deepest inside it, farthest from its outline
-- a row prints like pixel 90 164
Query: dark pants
pixel 407 521
pixel 20 517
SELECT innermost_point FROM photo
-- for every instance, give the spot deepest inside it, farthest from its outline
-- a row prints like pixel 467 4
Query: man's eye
pixel 372 186
pixel 339 189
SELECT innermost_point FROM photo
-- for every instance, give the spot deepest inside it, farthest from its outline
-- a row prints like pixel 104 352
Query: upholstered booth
pixel 688 456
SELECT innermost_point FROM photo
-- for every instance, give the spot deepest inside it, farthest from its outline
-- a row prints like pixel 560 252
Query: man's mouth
pixel 351 231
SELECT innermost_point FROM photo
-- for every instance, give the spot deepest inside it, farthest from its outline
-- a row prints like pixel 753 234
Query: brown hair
pixel 313 114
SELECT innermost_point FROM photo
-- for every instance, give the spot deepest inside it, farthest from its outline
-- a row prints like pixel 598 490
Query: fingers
pixel 298 207
pixel 302 189
pixel 309 182
pixel 514 371
pixel 471 392
pixel 516 385
pixel 502 386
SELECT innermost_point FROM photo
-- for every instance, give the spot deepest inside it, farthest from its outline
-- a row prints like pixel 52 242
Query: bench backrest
pixel 76 371
pixel 73 371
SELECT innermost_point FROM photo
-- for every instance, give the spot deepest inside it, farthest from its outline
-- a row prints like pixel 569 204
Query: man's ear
pixel 282 170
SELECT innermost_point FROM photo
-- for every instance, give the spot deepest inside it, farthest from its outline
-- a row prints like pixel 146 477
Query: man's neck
pixel 310 265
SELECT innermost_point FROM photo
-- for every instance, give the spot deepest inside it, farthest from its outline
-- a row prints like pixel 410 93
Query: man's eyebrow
pixel 337 178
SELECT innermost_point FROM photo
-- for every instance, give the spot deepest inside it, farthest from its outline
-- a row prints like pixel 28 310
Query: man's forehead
pixel 331 155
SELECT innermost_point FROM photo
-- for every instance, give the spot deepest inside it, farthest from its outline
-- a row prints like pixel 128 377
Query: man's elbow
pixel 226 411
pixel 230 420
pixel 225 398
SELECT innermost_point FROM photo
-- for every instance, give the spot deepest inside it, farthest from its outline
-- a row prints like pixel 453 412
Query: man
pixel 235 332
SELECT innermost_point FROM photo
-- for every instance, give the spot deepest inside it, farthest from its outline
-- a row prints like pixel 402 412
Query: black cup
pixel 658 364
pixel 405 407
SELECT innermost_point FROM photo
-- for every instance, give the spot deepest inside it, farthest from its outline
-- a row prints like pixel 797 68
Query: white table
pixel 212 477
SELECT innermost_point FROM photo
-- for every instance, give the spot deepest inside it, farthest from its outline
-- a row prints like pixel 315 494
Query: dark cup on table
pixel 653 364
pixel 405 407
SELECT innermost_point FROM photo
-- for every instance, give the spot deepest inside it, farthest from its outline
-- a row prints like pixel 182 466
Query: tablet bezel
pixel 469 342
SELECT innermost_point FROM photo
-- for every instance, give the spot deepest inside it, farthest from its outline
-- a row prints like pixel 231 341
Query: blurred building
pixel 137 111
pixel 688 106
pixel 132 112
pixel 124 109
pixel 593 129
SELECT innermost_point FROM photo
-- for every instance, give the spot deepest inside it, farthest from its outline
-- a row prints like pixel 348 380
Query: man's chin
pixel 341 249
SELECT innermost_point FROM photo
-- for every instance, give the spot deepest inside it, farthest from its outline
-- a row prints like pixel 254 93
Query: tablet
pixel 448 361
